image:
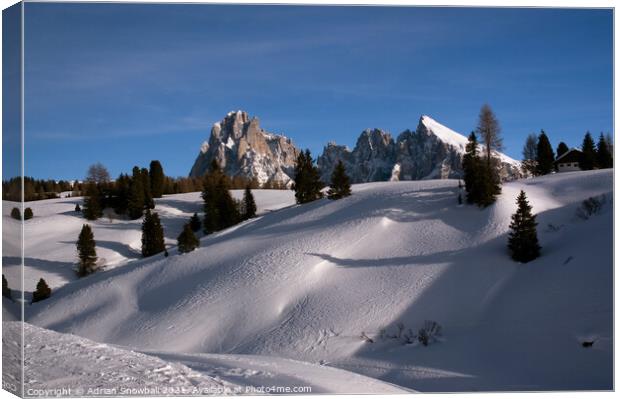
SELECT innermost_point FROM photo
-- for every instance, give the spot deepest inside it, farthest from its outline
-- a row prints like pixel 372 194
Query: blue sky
pixel 124 84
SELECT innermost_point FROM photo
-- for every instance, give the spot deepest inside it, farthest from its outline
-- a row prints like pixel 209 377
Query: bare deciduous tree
pixel 489 129
pixel 97 173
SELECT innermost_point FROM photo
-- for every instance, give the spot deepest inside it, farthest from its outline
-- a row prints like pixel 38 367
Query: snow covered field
pixel 305 282
pixel 50 250
pixel 66 365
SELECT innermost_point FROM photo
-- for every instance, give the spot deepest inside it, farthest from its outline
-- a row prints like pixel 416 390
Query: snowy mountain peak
pixel 444 133
pixel 432 151
pixel 244 149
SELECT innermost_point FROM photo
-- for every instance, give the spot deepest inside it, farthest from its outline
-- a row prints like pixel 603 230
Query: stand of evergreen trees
pixel 523 239
pixel 481 173
pixel 604 153
pixel 481 177
pixel 34 189
pixel 220 209
pixel 307 182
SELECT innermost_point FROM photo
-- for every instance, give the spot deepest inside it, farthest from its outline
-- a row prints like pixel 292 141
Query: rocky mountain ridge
pixel 432 151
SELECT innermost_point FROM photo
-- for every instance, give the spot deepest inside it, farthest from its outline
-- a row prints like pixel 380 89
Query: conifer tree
pixel 588 156
pixel 489 130
pixel 340 186
pixel 135 202
pixel 28 214
pixel 545 155
pixel 156 174
pixel 523 239
pixel 187 241
pixel 209 196
pixel 92 203
pixel 561 150
pixel 194 222
pixel 152 234
pixel 77 208
pixel 16 214
pixel 6 291
pixel 87 254
pixel 146 184
pixel 42 292
pixel 228 209
pixel 249 205
pixel 530 154
pixel 122 193
pixel 307 183
pixel 471 169
pixel 603 153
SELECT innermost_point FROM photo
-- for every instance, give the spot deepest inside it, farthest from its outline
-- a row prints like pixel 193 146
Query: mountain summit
pixel 432 151
pixel 243 149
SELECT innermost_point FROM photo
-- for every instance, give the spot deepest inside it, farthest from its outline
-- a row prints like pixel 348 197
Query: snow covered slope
pixel 306 281
pixel 56 363
pixel 50 250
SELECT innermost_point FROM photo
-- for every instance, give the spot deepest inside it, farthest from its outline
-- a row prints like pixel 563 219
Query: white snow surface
pixel 305 282
pixel 55 361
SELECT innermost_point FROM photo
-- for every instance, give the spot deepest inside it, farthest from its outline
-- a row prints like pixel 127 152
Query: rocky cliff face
pixel 242 148
pixel 432 151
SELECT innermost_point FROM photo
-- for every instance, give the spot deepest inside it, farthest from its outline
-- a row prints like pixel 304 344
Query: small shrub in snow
pixel 28 214
pixel 366 338
pixel 409 337
pixel 429 333
pixel 77 208
pixel 16 214
pixel 401 327
pixel 590 206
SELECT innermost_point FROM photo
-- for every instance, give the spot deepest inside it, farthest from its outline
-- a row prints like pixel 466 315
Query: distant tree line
pixel 539 157
pixel 34 189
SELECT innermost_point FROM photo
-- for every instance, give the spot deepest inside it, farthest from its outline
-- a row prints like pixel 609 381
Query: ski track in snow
pixel 304 282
